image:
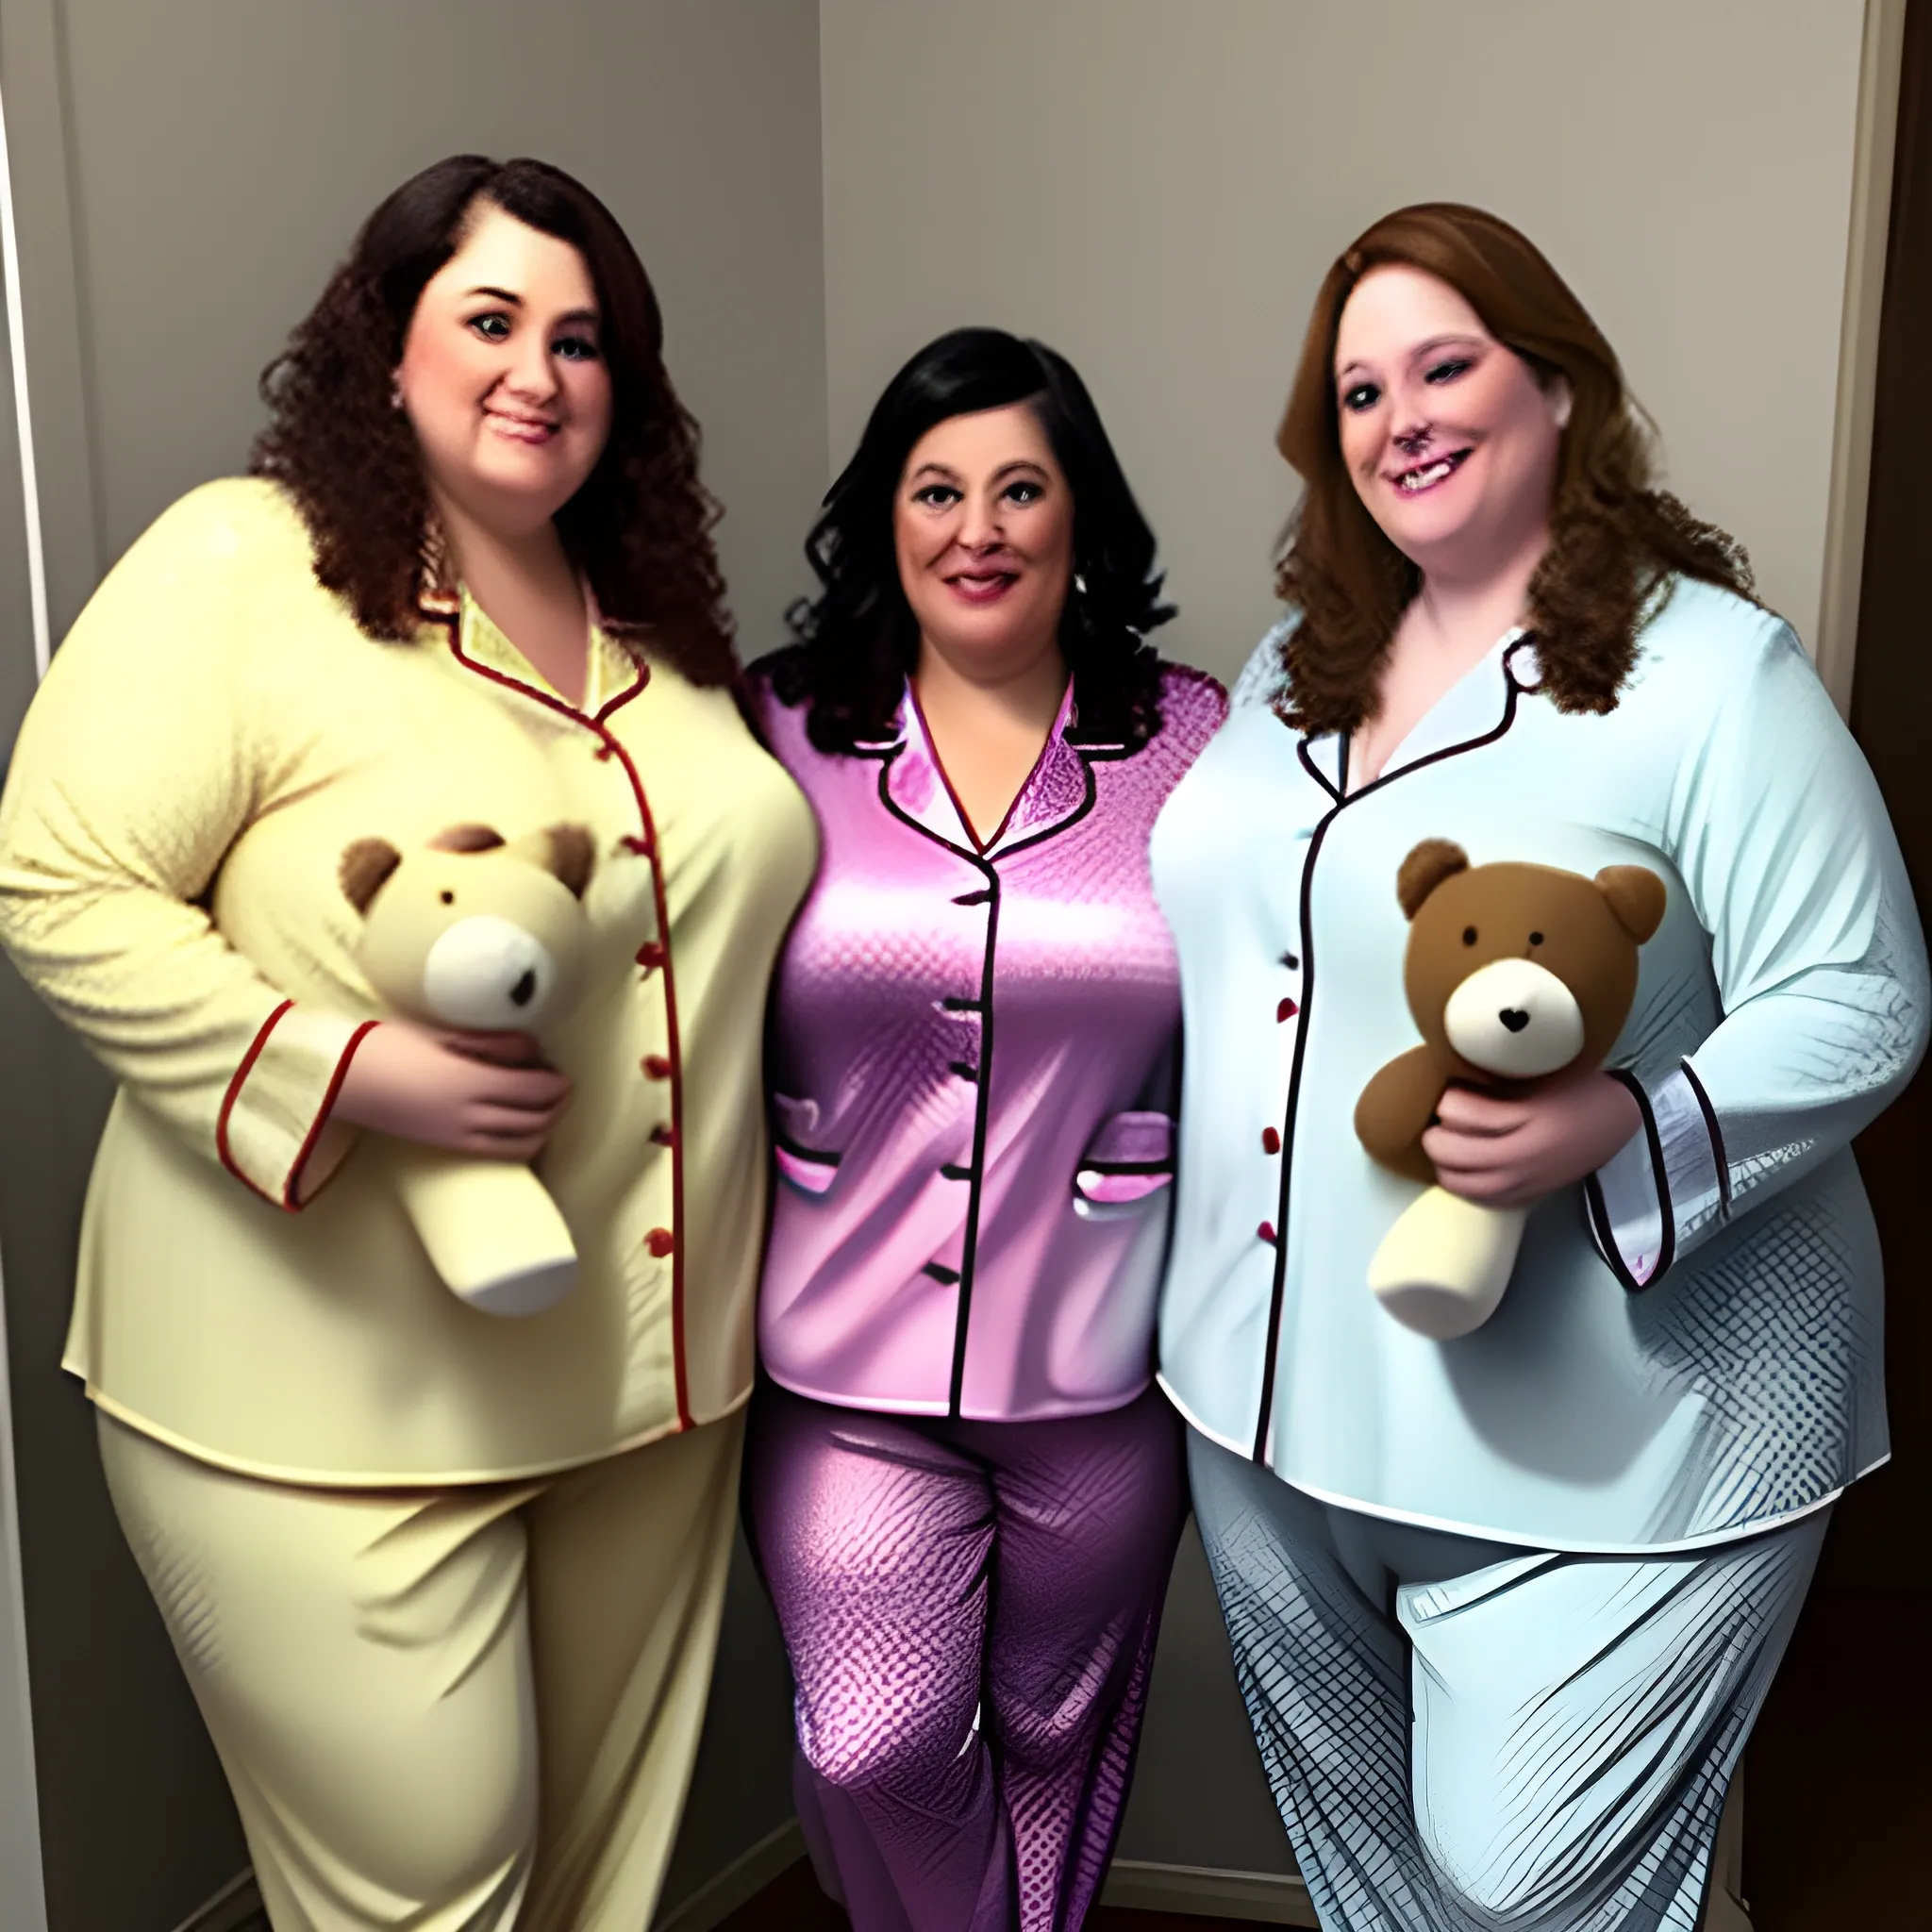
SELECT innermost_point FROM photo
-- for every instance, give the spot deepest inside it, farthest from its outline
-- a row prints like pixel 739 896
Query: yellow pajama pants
pixel 460 1710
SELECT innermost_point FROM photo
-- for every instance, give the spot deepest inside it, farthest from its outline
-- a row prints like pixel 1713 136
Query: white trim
pixel 1711 1540
pixel 1206 1892
pixel 1880 66
pixel 230 1908
pixel 1271 1898
pixel 23 1883
pixel 22 414
pixel 740 1882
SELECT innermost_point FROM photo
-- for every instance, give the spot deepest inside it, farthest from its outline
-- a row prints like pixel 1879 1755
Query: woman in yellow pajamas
pixel 446 1585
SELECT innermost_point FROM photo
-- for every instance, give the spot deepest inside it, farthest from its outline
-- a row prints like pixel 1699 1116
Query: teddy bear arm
pixel 1396 1107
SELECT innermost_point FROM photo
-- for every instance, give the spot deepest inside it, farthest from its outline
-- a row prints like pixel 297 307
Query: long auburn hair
pixel 856 642
pixel 1615 541
pixel 638 528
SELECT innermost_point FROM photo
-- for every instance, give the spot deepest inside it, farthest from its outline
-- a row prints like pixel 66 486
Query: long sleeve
pixel 1781 838
pixel 143 758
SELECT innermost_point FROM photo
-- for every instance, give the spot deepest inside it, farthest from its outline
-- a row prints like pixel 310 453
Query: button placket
pixel 1285 1009
pixel 662 1241
pixel 652 959
pixel 974 1071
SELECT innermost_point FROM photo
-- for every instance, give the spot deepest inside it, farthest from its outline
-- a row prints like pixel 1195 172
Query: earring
pixel 1079 585
pixel 395 392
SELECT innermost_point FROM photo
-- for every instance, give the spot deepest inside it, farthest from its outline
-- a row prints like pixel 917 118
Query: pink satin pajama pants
pixel 969 1609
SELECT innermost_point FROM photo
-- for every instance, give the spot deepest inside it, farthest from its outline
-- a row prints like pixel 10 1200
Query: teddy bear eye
pixel 448 898
pixel 1536 939
pixel 1469 935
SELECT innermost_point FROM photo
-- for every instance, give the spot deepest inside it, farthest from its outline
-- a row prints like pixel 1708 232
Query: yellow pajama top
pixel 214 733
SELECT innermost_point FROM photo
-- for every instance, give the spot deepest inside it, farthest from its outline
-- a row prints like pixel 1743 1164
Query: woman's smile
pixel 1428 476
pixel 519 426
pixel 980 586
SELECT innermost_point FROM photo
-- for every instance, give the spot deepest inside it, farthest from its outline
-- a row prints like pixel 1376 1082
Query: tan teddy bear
pixel 1513 973
pixel 475 933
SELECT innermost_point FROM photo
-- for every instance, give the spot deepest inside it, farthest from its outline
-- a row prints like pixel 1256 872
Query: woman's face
pixel 502 376
pixel 983 530
pixel 1449 438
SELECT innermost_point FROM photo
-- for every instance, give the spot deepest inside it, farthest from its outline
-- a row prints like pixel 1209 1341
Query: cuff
pixel 273 1133
pixel 1663 1187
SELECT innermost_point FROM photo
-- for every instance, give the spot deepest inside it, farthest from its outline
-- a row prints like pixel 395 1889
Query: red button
pixel 664 1135
pixel 656 1066
pixel 631 843
pixel 651 954
pixel 1271 1140
pixel 659 1242
pixel 1266 1231
pixel 1286 1010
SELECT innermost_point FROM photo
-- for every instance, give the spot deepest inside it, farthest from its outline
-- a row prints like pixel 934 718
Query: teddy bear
pixel 486 935
pixel 1513 971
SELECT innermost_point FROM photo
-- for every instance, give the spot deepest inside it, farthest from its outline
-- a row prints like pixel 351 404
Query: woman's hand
pixel 1510 1149
pixel 486 1094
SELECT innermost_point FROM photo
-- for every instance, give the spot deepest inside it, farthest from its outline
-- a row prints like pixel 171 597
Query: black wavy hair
pixel 854 645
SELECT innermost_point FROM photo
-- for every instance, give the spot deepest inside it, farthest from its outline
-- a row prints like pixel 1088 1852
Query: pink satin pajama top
pixel 973 1061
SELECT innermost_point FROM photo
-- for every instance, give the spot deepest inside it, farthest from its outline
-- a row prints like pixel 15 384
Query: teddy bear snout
pixel 488 974
pixel 1514 1019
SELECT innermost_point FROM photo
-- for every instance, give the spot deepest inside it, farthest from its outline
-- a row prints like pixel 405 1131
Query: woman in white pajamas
pixel 1504 1607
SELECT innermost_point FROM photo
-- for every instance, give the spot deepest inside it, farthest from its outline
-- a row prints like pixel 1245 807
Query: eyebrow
pixel 1421 349
pixel 952 475
pixel 516 301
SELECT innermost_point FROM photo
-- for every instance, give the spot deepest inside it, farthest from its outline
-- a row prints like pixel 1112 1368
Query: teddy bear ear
pixel 1424 869
pixel 467 838
pixel 365 867
pixel 1636 898
pixel 571 855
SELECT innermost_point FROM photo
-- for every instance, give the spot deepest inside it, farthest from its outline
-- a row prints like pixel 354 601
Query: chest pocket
pixel 1128 1159
pixel 809 1169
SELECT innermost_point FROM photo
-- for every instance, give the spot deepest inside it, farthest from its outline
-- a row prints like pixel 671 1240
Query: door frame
pixel 23 1887
pixel 1880 66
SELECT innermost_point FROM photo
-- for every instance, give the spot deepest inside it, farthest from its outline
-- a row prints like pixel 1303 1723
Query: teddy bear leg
pixel 492 1231
pixel 1442 1267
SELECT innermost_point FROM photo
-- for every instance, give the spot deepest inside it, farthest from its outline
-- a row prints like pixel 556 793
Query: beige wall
pixel 224 151
pixel 1154 187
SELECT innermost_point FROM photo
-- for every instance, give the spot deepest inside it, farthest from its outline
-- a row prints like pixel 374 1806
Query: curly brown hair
pixel 1615 543
pixel 638 528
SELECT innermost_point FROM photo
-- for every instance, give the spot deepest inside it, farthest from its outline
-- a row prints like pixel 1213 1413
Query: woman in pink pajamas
pixel 963 1488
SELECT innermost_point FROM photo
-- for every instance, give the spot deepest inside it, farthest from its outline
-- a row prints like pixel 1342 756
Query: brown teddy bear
pixel 1513 971
pixel 477 933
